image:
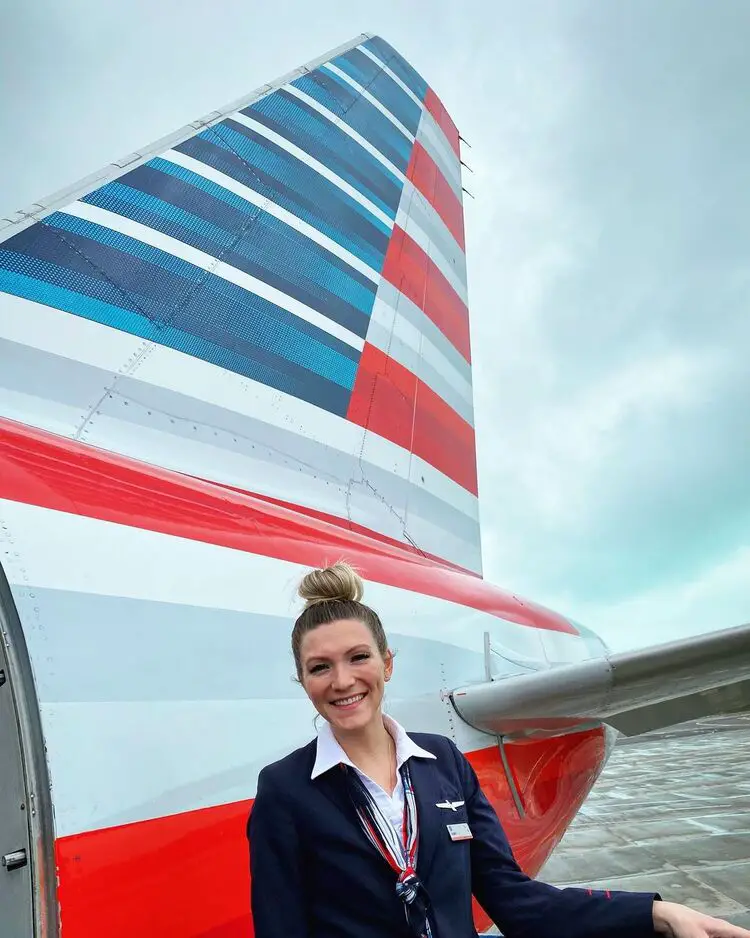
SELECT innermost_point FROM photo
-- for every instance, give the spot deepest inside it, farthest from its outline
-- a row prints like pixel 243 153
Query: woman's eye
pixel 317 668
pixel 363 656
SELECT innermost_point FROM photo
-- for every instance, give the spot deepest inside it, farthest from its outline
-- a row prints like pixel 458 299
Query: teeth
pixel 348 700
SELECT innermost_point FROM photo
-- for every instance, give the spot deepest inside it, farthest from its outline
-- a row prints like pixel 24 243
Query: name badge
pixel 460 831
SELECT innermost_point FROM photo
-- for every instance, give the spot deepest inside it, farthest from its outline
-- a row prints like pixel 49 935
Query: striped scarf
pixel 399 852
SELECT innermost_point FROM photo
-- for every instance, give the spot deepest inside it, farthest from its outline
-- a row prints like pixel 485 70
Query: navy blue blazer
pixel 315 874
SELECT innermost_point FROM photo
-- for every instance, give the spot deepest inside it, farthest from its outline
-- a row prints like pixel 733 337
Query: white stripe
pixel 269 206
pixel 116 762
pixel 399 327
pixel 453 255
pixel 162 242
pixel 392 75
pixel 329 66
pixel 432 138
pixel 415 362
pixel 38 326
pixel 345 128
pixel 65 551
pixel 153 446
pixel 113 762
pixel 310 161
pixel 411 191
pixel 411 226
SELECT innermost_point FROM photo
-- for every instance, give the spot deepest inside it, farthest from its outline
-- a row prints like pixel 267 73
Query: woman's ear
pixel 388 664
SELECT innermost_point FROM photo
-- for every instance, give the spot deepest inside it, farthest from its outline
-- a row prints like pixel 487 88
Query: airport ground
pixel 671 812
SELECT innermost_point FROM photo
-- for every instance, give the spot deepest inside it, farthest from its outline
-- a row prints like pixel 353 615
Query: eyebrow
pixel 361 647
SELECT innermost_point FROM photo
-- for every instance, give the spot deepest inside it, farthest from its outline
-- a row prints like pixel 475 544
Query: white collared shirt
pixel 330 754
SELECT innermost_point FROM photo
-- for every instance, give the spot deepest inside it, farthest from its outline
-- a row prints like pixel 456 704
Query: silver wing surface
pixel 635 691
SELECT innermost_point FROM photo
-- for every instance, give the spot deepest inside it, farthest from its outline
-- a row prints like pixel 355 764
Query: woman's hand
pixel 678 921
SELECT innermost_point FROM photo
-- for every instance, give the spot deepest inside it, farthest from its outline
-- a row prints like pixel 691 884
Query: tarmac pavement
pixel 670 813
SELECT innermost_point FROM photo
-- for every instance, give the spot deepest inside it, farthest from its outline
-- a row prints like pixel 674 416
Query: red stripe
pixel 392 402
pixel 182 876
pixel 39 468
pixel 187 875
pixel 412 272
pixel 435 106
pixel 425 175
pixel 348 525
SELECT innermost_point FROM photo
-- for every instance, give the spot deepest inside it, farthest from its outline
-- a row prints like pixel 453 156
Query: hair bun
pixel 337 583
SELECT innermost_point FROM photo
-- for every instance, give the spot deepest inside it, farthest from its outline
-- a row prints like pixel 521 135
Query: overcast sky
pixel 607 251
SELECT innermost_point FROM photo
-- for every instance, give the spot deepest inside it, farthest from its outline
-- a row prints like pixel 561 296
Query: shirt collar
pixel 329 752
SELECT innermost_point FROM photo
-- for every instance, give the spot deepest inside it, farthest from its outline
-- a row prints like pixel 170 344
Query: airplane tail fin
pixel 273 298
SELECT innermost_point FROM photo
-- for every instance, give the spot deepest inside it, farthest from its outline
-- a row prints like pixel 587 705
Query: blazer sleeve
pixel 277 892
pixel 522 907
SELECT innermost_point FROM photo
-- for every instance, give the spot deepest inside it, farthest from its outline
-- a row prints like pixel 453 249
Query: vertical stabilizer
pixel 273 298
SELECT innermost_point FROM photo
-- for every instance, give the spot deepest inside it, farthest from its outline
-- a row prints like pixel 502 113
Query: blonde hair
pixel 330 594
pixel 339 583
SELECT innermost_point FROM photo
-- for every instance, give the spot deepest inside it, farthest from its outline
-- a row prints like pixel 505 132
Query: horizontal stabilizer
pixel 633 691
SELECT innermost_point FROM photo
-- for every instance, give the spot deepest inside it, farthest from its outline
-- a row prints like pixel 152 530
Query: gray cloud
pixel 606 252
pixel 614 445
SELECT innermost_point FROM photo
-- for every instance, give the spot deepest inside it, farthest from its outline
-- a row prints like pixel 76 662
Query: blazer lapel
pixel 428 792
pixel 426 795
pixel 334 786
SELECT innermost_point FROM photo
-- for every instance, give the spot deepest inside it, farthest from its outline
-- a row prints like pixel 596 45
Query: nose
pixel 342 678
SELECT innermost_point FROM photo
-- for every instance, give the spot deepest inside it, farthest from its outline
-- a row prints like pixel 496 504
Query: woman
pixel 346 837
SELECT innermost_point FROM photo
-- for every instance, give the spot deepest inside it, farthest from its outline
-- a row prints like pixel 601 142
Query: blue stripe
pixel 258 244
pixel 398 65
pixel 233 318
pixel 138 269
pixel 321 138
pixel 333 93
pixel 381 86
pixel 132 202
pixel 299 190
pixel 224 195
pixel 213 209
pixel 264 155
pixel 307 387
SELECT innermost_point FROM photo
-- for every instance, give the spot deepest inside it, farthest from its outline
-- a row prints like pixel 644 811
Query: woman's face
pixel 344 674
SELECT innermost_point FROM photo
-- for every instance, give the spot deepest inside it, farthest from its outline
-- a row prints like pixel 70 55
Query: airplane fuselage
pixel 157 609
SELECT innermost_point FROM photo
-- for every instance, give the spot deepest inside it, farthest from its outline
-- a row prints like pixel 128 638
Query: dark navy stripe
pixel 269 156
pixel 258 244
pixel 191 303
pixel 260 366
pixel 326 142
pixel 398 65
pixel 266 155
pixel 293 186
pixel 241 204
pixel 381 86
pixel 365 118
pixel 139 268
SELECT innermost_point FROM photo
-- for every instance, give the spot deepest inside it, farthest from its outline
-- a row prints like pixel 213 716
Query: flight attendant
pixel 347 835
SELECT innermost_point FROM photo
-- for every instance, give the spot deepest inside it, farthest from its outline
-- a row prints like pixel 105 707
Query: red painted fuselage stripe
pixel 350 526
pixel 425 175
pixel 443 119
pixel 39 468
pixel 412 272
pixel 392 402
pixel 187 875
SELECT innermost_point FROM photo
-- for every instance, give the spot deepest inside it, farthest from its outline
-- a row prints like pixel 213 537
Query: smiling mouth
pixel 346 702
